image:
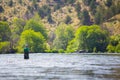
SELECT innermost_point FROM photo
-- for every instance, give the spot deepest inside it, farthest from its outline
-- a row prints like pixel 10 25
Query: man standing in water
pixel 26 52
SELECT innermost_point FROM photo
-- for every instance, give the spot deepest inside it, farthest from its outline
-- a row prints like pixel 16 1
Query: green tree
pixel 70 1
pixel 109 3
pixel 93 6
pixel 5 31
pixel 18 26
pixel 86 2
pixel 1 9
pixel 64 34
pixel 68 20
pixel 100 15
pixel 35 41
pixel 44 11
pixel 78 9
pixel 114 44
pixel 73 45
pixel 50 20
pixel 85 18
pixel 10 3
pixel 20 1
pixel 91 37
pixel 37 27
pixel 4 46
pixel 117 48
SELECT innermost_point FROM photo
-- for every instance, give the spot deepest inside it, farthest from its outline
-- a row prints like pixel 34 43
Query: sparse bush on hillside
pixel 108 3
pixel 56 7
pixel 68 20
pixel 100 15
pixel 1 9
pixel 44 11
pixel 34 4
pixel 50 20
pixel 70 1
pixel 10 3
pixel 86 2
pixel 20 1
pixel 93 6
pixel 85 18
pixel 78 9
pixel 30 9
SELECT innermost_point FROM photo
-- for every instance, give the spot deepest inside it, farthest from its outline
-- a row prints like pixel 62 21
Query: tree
pixel 68 20
pixel 100 15
pixel 5 31
pixel 73 45
pixel 44 11
pixel 91 37
pixel 5 34
pixel 50 20
pixel 108 3
pixel 37 27
pixel 10 3
pixel 4 46
pixel 69 1
pixel 18 26
pixel 20 1
pixel 78 9
pixel 64 34
pixel 86 2
pixel 93 6
pixel 35 41
pixel 114 44
pixel 85 18
pixel 1 9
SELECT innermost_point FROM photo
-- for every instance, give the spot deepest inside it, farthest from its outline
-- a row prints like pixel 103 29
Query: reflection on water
pixel 59 67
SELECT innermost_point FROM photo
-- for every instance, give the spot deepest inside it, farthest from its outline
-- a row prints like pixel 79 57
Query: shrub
pixel 4 47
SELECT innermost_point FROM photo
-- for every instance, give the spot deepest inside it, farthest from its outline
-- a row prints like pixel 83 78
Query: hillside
pixel 59 10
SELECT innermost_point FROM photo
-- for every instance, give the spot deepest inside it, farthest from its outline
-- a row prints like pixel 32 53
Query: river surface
pixel 59 67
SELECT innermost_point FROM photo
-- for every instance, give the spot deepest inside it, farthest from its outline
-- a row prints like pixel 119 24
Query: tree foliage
pixel 64 34
pixel 37 27
pixel 35 41
pixel 114 44
pixel 5 31
pixel 91 37
pixel 1 9
pixel 108 3
pixel 4 46
pixel 68 19
pixel 85 18
pixel 44 11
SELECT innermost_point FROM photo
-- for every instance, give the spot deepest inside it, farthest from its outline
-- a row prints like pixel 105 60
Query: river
pixel 59 67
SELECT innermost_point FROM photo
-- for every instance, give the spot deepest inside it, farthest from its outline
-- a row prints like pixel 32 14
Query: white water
pixel 59 67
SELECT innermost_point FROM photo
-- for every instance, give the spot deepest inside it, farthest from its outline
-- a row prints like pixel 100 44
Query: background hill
pixel 54 12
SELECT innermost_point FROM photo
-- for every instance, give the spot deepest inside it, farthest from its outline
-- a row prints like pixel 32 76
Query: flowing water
pixel 59 67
